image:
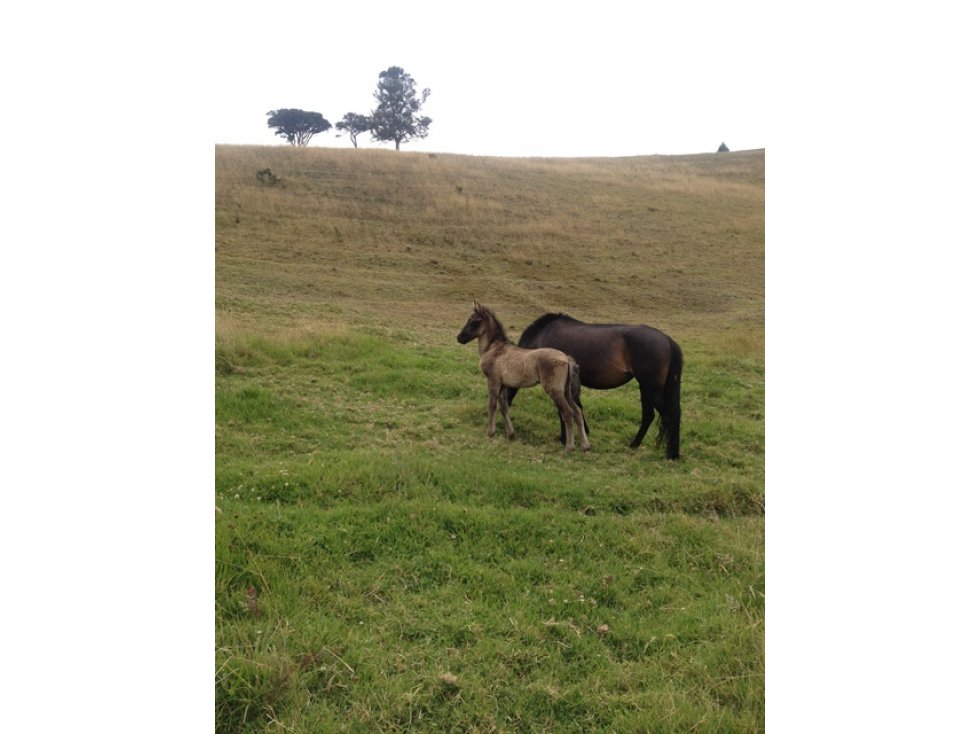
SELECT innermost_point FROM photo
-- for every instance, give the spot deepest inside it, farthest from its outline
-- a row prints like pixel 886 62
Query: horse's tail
pixel 669 420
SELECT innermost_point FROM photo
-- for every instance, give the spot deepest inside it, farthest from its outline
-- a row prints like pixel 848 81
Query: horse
pixel 506 365
pixel 609 356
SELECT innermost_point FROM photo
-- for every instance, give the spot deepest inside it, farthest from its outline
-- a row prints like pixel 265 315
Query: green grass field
pixel 381 564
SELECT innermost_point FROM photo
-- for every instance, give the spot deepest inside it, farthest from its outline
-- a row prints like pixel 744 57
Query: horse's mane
pixel 538 326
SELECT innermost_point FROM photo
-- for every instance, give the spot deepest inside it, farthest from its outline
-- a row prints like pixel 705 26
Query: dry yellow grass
pixel 370 237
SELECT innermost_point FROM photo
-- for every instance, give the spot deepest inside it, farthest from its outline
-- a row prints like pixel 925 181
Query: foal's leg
pixel 567 424
pixel 579 410
pixel 494 396
pixel 505 412
pixel 579 415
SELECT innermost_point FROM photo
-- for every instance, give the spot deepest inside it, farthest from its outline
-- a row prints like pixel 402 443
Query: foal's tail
pixel 669 419
pixel 572 387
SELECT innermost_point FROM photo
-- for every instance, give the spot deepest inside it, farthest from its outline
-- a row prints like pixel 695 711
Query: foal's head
pixel 482 321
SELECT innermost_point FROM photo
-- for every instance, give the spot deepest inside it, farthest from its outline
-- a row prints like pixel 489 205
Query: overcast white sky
pixel 507 78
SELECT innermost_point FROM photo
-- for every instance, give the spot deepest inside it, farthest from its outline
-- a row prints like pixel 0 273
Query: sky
pixel 508 78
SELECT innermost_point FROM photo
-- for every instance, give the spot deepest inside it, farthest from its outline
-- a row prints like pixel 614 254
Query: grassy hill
pixel 407 573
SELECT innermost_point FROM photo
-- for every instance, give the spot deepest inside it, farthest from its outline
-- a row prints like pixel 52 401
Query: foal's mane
pixel 541 323
pixel 496 330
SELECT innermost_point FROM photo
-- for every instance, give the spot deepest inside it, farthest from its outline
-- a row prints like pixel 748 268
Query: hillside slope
pixel 677 242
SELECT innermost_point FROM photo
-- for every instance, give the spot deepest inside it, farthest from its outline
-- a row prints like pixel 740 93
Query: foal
pixel 506 365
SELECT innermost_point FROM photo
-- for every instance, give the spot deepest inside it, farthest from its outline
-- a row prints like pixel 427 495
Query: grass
pixel 381 564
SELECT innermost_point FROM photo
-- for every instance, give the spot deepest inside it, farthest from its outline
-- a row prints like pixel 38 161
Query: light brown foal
pixel 507 366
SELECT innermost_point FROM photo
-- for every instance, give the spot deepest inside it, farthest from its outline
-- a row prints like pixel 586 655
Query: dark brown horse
pixel 506 365
pixel 610 355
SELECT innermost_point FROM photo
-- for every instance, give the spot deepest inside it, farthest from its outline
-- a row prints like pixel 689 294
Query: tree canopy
pixel 297 126
pixel 354 124
pixel 396 116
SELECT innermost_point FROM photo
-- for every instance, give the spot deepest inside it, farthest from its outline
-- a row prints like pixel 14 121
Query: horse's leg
pixel 505 412
pixel 669 424
pixel 563 437
pixel 648 413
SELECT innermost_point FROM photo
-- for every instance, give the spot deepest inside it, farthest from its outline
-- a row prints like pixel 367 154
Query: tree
pixel 396 115
pixel 297 126
pixel 354 124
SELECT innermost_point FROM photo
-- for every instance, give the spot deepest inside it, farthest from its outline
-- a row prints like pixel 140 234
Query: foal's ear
pixel 475 306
